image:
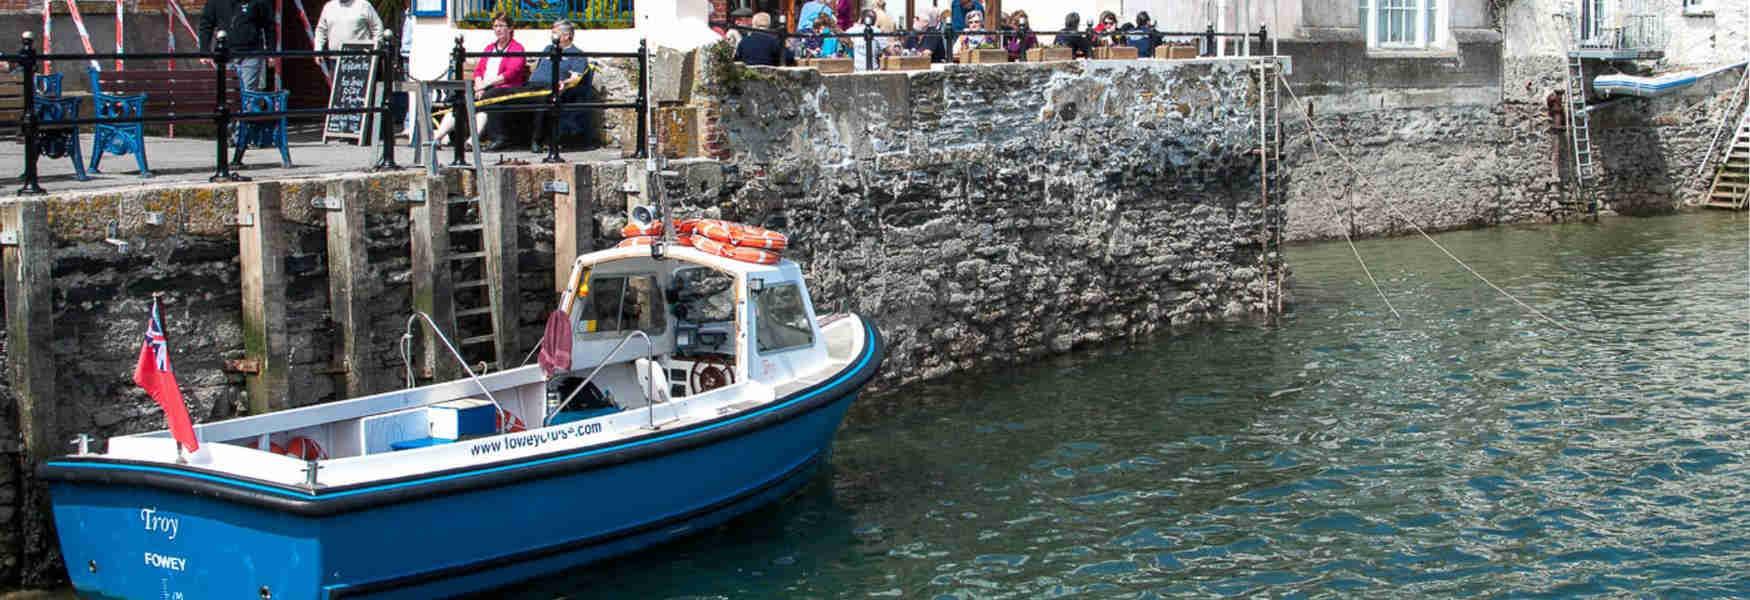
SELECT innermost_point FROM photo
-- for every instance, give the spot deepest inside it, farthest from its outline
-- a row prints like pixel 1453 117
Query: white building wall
pixel 1530 29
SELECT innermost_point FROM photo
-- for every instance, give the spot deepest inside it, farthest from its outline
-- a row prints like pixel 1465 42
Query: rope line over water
pixel 1319 136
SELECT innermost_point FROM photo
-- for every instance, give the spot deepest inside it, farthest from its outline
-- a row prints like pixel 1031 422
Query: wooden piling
pixel 348 295
pixel 573 222
pixel 261 250
pixel 498 212
pixel 433 287
pixel 28 258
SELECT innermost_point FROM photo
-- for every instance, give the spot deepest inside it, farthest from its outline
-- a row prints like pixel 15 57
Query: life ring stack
pixel 738 241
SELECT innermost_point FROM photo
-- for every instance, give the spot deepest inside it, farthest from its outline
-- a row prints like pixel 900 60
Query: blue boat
pixel 698 388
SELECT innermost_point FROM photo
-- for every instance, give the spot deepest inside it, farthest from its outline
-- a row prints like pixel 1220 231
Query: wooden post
pixel 348 296
pixel 28 258
pixel 261 250
pixel 498 213
pixel 573 222
pixel 433 288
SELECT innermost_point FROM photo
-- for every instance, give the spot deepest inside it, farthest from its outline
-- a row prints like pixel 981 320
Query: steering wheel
pixel 710 373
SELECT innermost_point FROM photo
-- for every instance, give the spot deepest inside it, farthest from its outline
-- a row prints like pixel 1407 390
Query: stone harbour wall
pixel 986 216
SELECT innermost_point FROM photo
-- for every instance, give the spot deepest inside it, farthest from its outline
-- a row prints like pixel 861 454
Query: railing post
pixel 388 57
pixel 1263 38
pixel 458 63
pixel 644 112
pixel 552 124
pixel 27 119
pixel 868 48
pixel 222 113
pixel 1209 40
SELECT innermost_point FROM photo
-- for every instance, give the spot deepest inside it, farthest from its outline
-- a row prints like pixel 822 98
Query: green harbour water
pixel 1468 449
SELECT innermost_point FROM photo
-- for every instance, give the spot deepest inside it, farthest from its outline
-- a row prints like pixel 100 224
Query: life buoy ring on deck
pixel 743 235
pixel 687 226
pixel 631 242
pixel 752 255
pixel 515 423
pixel 300 447
pixel 632 230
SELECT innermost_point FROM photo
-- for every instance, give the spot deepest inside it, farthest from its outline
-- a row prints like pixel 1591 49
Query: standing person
pixel 762 48
pixel 810 15
pixel 961 9
pixel 248 26
pixel 1022 38
pixel 347 22
pixel 1073 38
pixel 847 13
pixel 883 22
pixel 495 75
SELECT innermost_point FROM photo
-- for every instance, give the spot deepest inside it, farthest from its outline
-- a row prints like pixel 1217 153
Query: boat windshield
pixel 623 303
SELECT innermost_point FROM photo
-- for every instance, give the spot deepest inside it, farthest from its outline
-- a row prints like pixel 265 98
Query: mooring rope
pixel 1320 136
pixel 1347 238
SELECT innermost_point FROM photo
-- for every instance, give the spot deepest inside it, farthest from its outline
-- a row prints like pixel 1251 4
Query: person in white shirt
pixel 347 22
pixel 859 46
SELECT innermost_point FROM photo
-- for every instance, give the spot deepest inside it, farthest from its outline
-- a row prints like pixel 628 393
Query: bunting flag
pixel 153 373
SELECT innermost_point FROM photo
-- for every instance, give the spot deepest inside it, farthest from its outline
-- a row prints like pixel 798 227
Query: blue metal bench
pixel 117 138
pixel 59 142
pixel 267 133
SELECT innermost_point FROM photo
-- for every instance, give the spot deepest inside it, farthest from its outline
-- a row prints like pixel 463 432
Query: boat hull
pixel 130 531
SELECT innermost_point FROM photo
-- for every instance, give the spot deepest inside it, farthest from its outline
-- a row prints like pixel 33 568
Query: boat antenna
pixel 654 164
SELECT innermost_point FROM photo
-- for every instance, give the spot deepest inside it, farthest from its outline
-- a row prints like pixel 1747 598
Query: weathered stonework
pixel 985 216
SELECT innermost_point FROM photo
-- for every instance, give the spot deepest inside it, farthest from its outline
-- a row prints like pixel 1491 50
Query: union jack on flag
pixel 155 340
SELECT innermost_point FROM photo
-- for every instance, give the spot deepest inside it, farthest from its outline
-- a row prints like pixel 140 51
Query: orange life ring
pixel 752 255
pixel 301 448
pixel 684 239
pixel 640 240
pixel 739 234
pixel 686 226
pixel 632 230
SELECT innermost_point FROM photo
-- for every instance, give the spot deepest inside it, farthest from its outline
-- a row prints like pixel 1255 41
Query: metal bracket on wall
pixel 409 197
pixel 326 203
pixel 628 188
pixel 8 238
pixel 243 220
pixel 154 217
pixel 556 187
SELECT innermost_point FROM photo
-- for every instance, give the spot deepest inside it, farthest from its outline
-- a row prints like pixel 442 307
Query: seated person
pixel 761 48
pixel 1144 37
pixel 972 41
pixel 1078 43
pixel 575 76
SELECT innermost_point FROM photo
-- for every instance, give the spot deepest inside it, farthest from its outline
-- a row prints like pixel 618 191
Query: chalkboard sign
pixel 355 82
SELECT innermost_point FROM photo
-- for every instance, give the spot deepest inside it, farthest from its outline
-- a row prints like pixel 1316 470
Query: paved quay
pixel 187 160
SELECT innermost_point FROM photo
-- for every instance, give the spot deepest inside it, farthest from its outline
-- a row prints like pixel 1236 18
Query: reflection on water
pixel 1469 449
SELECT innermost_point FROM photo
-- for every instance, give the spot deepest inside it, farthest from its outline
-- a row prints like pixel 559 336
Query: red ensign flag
pixel 154 375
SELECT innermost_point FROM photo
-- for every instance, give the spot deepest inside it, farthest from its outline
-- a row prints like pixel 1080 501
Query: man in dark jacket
pixel 248 25
pixel 761 47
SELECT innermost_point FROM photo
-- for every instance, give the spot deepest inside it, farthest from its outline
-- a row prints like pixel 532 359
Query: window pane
pixel 621 303
pixel 1362 23
pixel 780 320
pixel 705 296
pixel 1430 33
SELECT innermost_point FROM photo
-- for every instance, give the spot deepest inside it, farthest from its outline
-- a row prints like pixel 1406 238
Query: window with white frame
pixel 1403 24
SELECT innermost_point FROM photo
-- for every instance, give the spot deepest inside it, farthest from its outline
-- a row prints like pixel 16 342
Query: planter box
pixel 982 56
pixel 905 63
pixel 1176 51
pixel 1049 54
pixel 1115 53
pixel 829 66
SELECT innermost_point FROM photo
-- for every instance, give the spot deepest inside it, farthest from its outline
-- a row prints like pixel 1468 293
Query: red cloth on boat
pixel 153 373
pixel 556 344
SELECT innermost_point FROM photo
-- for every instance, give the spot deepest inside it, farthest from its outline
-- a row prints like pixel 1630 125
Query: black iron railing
pixel 554 106
pixel 1208 39
pixel 30 61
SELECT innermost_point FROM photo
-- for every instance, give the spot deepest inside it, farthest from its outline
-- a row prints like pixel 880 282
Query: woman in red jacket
pixel 493 75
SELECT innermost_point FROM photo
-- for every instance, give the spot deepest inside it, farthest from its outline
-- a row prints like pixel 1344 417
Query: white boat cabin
pixel 661 342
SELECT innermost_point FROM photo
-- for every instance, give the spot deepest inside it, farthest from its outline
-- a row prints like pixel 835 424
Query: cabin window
pixel 780 319
pixel 624 303
pixel 704 296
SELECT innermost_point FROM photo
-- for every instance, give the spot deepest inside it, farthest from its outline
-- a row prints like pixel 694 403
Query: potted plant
pixel 1049 54
pixel 985 52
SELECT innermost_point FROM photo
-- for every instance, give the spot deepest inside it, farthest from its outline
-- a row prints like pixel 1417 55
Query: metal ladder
pixel 1580 135
pixel 1731 187
pixel 472 294
pixel 1269 167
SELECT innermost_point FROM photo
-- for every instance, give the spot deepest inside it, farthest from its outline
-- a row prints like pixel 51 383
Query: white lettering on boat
pixel 535 440
pixel 174 563
pixel 156 521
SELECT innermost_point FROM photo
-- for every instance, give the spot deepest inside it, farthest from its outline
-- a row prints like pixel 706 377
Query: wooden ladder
pixel 473 294
pixel 1731 188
